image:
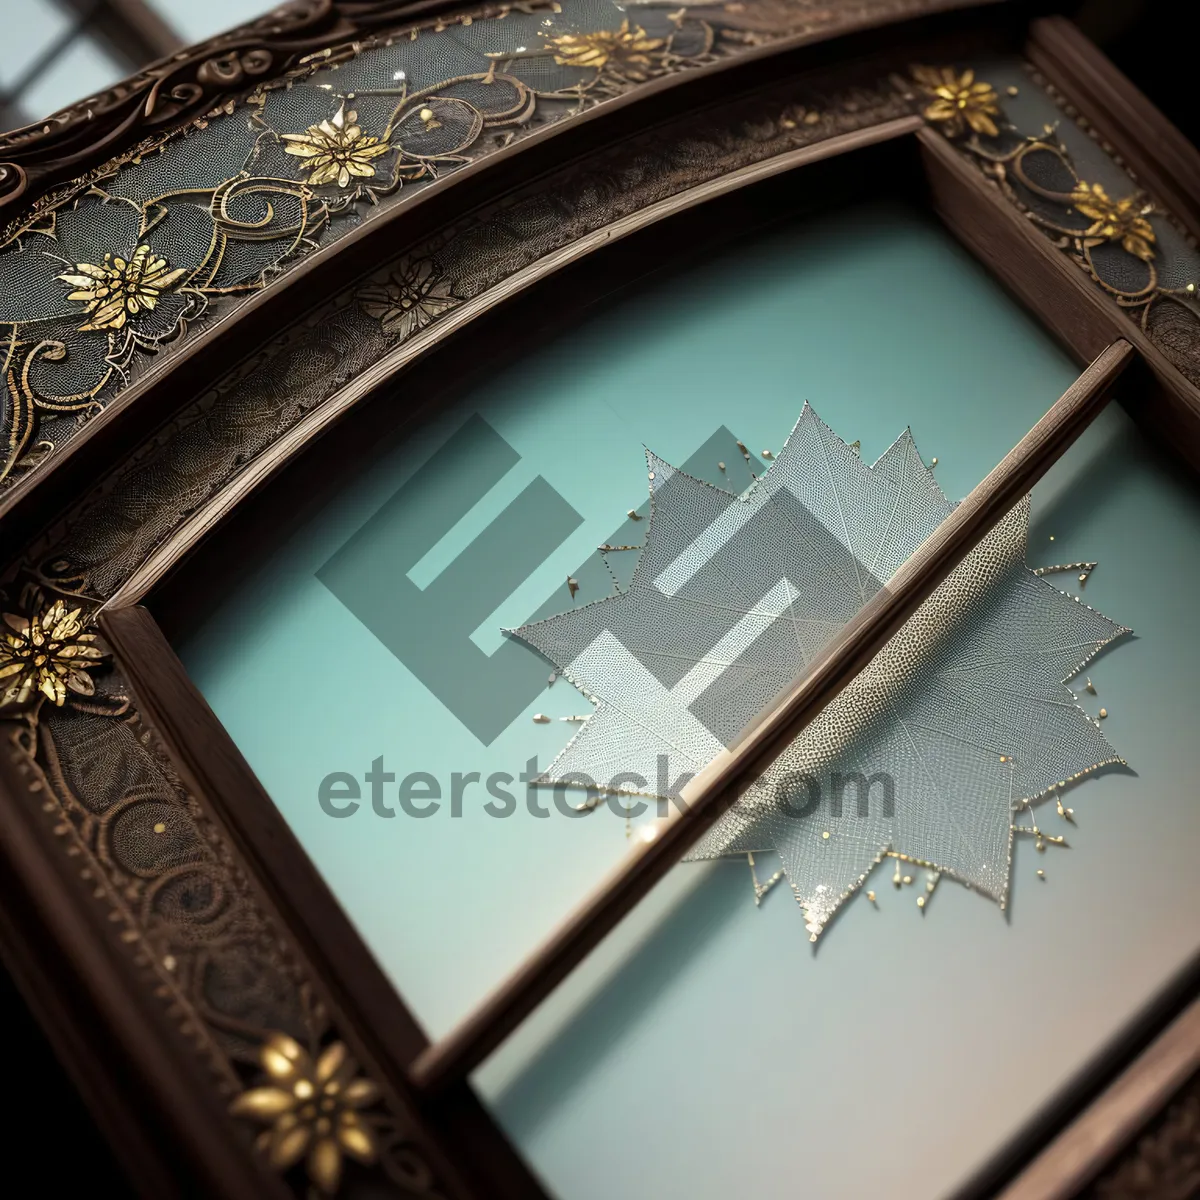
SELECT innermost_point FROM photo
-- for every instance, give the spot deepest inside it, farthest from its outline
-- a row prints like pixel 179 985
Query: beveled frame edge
pixel 199 524
pixel 1126 122
pixel 363 1000
pixel 208 342
pixel 1099 1139
pixel 1073 333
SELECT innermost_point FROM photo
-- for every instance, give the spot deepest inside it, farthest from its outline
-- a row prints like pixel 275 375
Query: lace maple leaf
pixel 963 718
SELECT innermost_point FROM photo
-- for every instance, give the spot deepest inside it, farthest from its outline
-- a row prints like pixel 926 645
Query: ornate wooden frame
pixel 164 922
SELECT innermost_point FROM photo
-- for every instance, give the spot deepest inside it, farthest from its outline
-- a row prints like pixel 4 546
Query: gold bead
pixel 720 466
pixel 920 901
pixel 871 897
pixel 908 879
pixel 159 827
pixel 825 835
pixel 933 462
pixel 1104 712
pixel 1041 874
pixel 1012 90
pixel 426 114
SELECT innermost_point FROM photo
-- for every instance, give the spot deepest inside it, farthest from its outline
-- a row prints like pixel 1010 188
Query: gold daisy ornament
pixel 48 654
pixel 1121 221
pixel 335 151
pixel 959 102
pixel 116 289
pixel 311 1109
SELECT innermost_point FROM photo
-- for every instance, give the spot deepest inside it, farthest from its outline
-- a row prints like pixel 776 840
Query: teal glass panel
pixel 706 1049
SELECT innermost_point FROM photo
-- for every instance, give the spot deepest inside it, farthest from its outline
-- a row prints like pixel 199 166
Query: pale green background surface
pixel 724 1058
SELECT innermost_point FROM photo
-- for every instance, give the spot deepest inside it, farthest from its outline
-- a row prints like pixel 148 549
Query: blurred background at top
pixel 54 52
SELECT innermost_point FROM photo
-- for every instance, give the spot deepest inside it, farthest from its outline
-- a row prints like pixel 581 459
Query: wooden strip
pixel 364 1004
pixel 1072 1160
pixel 209 515
pixel 716 787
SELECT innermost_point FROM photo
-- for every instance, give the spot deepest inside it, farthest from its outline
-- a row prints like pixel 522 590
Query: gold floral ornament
pixel 629 53
pixel 116 289
pixel 48 654
pixel 958 101
pixel 336 150
pixel 312 1110
pixel 1121 221
pixel 415 293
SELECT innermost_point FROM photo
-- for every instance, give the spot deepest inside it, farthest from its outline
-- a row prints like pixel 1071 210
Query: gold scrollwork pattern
pixel 290 163
pixel 1111 237
pixel 210 442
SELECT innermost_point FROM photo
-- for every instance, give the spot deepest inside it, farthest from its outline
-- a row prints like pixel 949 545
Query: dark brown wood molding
pixel 1161 158
pixel 183 86
pixel 177 89
pixel 716 787
pixel 1058 292
pixel 1074 1158
pixel 224 337
pixel 151 1077
pixel 461 1140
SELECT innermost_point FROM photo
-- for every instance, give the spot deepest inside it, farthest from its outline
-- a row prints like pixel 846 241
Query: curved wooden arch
pixel 103 519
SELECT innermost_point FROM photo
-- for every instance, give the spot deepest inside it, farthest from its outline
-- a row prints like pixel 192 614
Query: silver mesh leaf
pixel 962 719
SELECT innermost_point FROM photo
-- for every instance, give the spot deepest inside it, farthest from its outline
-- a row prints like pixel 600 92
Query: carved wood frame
pixel 105 978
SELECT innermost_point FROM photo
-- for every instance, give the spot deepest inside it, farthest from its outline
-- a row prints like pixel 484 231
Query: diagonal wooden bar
pixel 707 796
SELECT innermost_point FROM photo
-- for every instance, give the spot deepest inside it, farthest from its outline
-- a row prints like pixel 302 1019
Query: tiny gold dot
pixel 767 454
pixel 907 879
pixel 871 897
pixel 1083 577
pixel 933 462
pixel 1191 287
pixel 426 114
pixel 1012 90
pixel 1052 537
pixel 160 827
pixel 651 475
pixel 825 835
pixel 920 901
pixel 541 718
pixel 1041 874
pixel 1004 758
pixel 1104 712
pixel 720 466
